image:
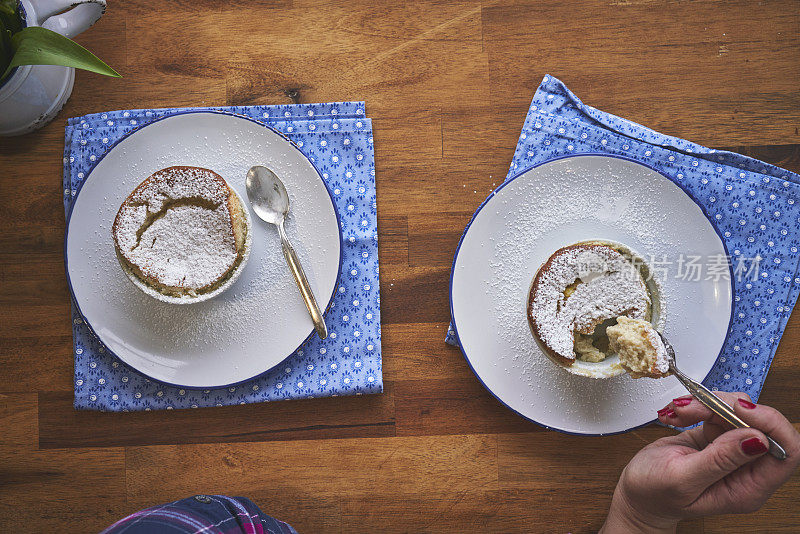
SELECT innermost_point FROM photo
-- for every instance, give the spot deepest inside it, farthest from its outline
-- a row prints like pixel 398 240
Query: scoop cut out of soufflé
pixel 181 232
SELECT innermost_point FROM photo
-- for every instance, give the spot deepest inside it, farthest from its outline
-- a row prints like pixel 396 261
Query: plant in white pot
pixel 38 59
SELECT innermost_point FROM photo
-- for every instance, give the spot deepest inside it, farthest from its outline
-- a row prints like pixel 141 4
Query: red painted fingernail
pixel 664 410
pixel 682 401
pixel 671 414
pixel 747 404
pixel 753 446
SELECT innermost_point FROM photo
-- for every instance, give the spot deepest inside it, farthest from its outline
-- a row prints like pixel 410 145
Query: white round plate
pixel 556 204
pixel 256 323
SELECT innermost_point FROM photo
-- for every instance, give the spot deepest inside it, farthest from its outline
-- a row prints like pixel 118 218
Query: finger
pixel 688 411
pixel 684 415
pixel 771 422
pixel 698 436
pixel 692 439
pixel 702 435
pixel 723 456
pixel 734 494
pixel 712 430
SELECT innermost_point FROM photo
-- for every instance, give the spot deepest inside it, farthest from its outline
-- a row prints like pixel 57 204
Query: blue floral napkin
pixel 337 137
pixel 755 206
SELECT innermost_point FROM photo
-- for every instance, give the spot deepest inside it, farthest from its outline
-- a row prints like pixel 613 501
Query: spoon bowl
pixel 267 194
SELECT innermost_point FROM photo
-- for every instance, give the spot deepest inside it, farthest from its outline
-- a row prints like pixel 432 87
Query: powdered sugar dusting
pixel 198 325
pixel 662 362
pixel 176 227
pixel 610 286
pixel 228 320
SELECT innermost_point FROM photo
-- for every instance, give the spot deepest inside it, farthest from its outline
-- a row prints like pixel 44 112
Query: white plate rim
pixel 86 180
pixel 484 204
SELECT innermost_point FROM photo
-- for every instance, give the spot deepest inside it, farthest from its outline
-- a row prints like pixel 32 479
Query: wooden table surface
pixel 447 85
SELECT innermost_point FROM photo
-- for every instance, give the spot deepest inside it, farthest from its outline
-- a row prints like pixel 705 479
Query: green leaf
pixel 10 23
pixel 40 46
pixel 9 16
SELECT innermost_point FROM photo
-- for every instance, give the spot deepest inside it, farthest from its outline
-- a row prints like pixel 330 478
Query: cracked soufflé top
pixel 181 231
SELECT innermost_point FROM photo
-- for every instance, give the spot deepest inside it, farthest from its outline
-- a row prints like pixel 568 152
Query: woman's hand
pixel 707 470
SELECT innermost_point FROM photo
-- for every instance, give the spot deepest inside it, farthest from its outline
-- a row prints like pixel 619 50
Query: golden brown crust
pixel 634 374
pixel 238 221
pixel 238 227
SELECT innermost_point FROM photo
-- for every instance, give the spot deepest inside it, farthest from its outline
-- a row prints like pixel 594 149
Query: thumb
pixel 723 456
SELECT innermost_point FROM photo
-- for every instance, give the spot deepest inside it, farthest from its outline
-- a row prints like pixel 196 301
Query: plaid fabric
pixel 207 514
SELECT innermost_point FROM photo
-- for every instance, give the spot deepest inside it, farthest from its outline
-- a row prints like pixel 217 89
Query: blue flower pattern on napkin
pixel 337 138
pixel 754 205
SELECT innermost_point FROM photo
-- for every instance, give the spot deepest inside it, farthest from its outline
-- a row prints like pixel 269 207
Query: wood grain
pixel 18 419
pixel 46 490
pixel 447 84
pixel 367 416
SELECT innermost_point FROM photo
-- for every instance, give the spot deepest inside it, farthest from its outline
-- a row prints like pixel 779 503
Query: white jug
pixel 33 94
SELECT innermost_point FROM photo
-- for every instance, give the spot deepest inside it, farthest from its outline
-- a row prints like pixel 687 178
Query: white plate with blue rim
pixel 261 319
pixel 559 203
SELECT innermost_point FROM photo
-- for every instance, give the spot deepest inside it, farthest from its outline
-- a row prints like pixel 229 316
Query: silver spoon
pixel 270 201
pixel 713 402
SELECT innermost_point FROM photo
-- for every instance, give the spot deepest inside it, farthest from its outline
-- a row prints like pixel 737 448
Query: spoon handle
pixel 721 408
pixel 302 284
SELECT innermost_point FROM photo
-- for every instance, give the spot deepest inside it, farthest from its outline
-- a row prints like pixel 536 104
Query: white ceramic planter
pixel 33 94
